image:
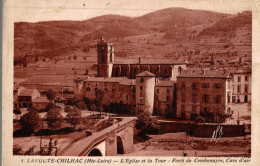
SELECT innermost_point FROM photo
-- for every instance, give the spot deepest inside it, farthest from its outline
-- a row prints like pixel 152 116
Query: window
pixel 246 88
pixel 217 85
pixel 217 99
pixel 113 90
pixel 122 88
pixel 205 85
pixel 133 97
pixel 126 97
pixel 141 87
pixel 141 94
pixel 183 97
pixel 106 89
pixel 205 98
pixel 239 79
pixel 167 106
pixel 194 97
pixel 157 90
pixel 88 89
pixel 102 58
pixel 105 84
pixel 194 108
pixel 168 91
pixel 193 86
pixel 141 101
pixel 167 98
pixel 182 108
pixel 141 80
pixel 183 84
pixel 96 89
pixel 111 57
pixel 205 109
pixel 246 78
pixel 238 88
pixel 217 110
pixel 179 69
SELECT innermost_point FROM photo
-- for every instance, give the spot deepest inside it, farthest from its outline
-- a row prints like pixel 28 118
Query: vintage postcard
pixel 111 82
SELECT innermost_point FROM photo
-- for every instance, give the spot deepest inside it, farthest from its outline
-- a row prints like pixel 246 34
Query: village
pixel 194 105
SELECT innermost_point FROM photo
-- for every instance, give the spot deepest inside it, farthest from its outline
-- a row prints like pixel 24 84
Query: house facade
pixel 241 85
pixel 204 93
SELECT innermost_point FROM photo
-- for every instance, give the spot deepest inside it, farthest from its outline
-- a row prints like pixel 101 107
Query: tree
pixel 30 121
pixel 54 119
pixel 81 104
pixel 74 117
pixel 50 106
pixel 146 123
pixel 50 94
pixel 100 99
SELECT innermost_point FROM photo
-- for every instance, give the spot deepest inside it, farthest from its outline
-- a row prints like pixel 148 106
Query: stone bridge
pixel 116 139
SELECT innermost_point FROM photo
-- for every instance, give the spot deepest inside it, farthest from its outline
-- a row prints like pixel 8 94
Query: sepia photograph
pixel 132 79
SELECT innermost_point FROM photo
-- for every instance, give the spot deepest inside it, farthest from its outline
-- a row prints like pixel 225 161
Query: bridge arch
pixel 95 152
pixel 120 145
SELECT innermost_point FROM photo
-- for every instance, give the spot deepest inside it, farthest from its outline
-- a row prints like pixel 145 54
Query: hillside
pixel 171 33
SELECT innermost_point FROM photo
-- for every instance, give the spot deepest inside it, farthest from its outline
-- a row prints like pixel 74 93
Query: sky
pixel 45 10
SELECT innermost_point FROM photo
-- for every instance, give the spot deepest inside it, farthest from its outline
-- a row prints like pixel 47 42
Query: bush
pixel 22 133
pixel 45 132
pixel 30 121
pixel 17 150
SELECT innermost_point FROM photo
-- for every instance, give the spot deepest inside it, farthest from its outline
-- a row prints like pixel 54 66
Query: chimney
pixel 139 60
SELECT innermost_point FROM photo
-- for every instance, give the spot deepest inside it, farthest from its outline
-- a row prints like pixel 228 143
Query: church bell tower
pixel 105 58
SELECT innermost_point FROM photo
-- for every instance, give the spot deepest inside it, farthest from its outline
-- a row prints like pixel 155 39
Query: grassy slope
pixel 168 33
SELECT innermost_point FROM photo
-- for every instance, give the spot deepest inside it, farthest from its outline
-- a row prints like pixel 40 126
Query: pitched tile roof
pixel 104 79
pixel 165 83
pixel 52 79
pixel 128 82
pixel 207 73
pixel 27 92
pixel 145 74
pixel 42 99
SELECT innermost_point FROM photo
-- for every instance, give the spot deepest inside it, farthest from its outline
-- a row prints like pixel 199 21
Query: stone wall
pixel 202 130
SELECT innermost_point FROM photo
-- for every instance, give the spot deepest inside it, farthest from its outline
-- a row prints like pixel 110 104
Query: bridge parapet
pixel 123 133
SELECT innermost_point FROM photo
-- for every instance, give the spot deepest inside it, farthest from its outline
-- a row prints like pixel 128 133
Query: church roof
pixel 145 74
pixel 150 61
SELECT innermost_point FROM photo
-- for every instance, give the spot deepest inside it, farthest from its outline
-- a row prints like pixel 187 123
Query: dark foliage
pixel 30 121
pixel 146 123
pixel 54 119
